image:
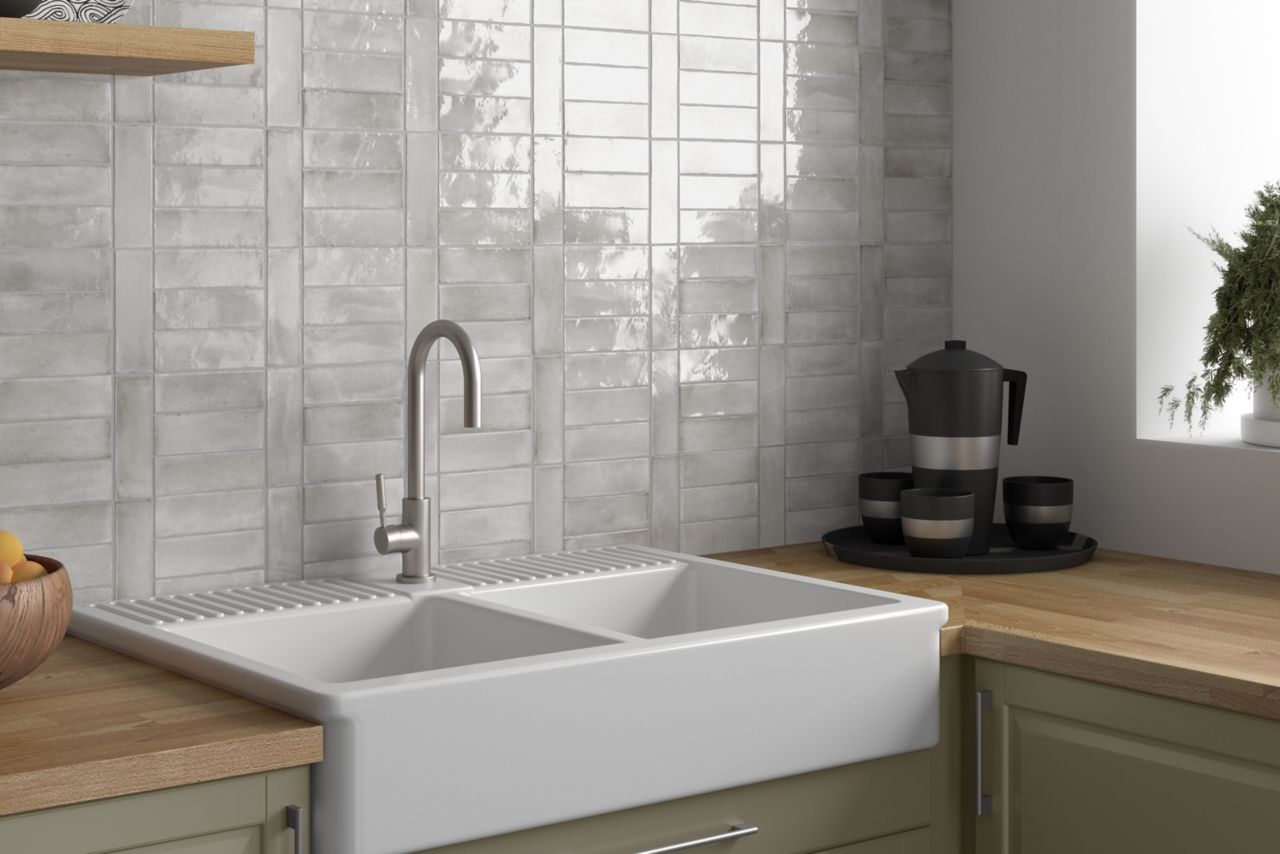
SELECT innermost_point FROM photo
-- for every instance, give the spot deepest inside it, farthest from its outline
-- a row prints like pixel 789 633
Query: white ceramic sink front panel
pixel 463 711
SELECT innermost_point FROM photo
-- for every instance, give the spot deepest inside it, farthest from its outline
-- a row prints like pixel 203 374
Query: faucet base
pixel 414 579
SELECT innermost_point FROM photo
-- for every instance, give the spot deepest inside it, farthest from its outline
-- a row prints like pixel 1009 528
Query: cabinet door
pixel 240 815
pixel 1073 766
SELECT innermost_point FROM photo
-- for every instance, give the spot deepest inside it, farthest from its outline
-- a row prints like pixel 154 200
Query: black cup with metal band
pixel 1037 510
pixel 937 522
pixel 878 497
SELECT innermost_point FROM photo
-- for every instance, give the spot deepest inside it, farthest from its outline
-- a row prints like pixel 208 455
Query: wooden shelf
pixel 30 45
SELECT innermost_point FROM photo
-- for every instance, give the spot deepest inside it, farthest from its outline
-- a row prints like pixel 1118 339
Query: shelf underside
pixel 61 46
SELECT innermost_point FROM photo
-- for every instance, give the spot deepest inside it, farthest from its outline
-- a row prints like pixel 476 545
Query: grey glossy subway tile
pixel 922 35
pixel 719 88
pixel 917 67
pixel 807 25
pixel 209 308
pixel 602 190
pixel 917 162
pixel 350 383
pixel 720 536
pixel 350 266
pixel 605 370
pixel 604 154
pixel 718 123
pixel 198 392
pixel 344 344
pixel 718 364
pixel 548 410
pixel 701 53
pixel 821 59
pixel 485 264
pixel 480 77
pixel 718 434
pixel 338 227
pixel 210 513
pixel 823 425
pixel 58 98
pixel 366 110
pixel 719 226
pixel 205 472
pixel 718 192
pixel 614 15
pixel 595 118
pixel 665 74
pixel 773 389
pixel 352 32
pixel 499 488
pixel 713 468
pixel 470 451
pixel 612 477
pixel 352 188
pixel 604 83
pixel 728 501
pixel 704 297
pixel 822 259
pixel 606 334
pixel 550 80
pixel 502 412
pixel 703 400
pixel 339 149
pixel 605 298
pixel 61 185
pixel 353 72
pixel 813 327
pixel 730 158
pixel 333 306
pixel 210 555
pixel 501 375
pixel 602 225
pixel 55 355
pixel 548 300
pixel 471 114
pixel 464 152
pixel 60 312
pixel 665 403
pixel 41 142
pixel 509 11
pixel 548 12
pixel 918 227
pixel 917 291
pixel 485 190
pixel 31 226
pixel 32 270
pixel 183 104
pixel 605 406
pixel 719 330
pixel 204 432
pixel 494 41
pixel 918 99
pixel 711 19
pixel 606 262
pixel 589 518
pixel 485 302
pixel 598 47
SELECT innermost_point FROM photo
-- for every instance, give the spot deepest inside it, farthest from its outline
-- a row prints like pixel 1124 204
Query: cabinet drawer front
pixel 911 842
pixel 246 840
pixel 117 824
pixel 809 812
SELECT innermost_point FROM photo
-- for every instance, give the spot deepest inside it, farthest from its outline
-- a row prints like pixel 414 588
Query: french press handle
pixel 1017 381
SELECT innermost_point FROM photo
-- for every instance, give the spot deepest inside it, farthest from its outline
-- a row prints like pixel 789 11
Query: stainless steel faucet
pixel 412 537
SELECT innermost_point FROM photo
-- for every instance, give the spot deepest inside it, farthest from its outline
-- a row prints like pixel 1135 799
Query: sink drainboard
pixel 282 595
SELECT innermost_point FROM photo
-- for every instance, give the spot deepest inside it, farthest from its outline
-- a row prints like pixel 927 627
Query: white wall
pixel 1045 262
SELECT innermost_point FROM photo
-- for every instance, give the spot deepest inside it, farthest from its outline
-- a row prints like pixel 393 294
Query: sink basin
pixel 520 692
pixel 386 637
pixel 678 600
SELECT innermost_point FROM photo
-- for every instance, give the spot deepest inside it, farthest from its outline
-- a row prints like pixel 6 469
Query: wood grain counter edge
pixel 91 723
pixel 1229 620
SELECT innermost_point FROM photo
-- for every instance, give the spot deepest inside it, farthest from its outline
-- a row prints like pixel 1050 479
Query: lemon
pixel 27 570
pixel 10 549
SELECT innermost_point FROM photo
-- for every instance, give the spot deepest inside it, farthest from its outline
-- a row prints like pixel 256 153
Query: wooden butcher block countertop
pixel 90 723
pixel 1199 633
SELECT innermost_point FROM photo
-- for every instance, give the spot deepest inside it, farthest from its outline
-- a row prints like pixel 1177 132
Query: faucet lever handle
pixel 381 489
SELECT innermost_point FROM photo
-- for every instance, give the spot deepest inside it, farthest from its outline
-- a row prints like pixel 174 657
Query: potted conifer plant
pixel 1242 338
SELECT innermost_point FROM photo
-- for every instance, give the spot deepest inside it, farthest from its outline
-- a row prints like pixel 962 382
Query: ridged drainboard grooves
pixel 280 596
pixel 505 570
pixel 183 607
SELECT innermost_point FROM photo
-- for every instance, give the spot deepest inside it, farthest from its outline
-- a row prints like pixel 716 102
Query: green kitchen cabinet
pixel 239 815
pixel 1073 766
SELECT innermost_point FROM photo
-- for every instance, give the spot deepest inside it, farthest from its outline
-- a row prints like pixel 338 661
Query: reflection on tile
pixel 588 262
pixel 486 10
pixel 804 25
pixel 486 77
pixel 493 41
pixel 478 227
pixel 666 94
pixel 463 152
pixel 601 299
pixel 548 54
pixel 484 115
pixel 605 370
pixel 484 190
pixel 586 225
pixel 601 190
pixel 665 190
pixel 718 226
pixel 606 334
pixel 719 330
pixel 821 59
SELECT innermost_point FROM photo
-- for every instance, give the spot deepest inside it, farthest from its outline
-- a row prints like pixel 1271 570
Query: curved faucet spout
pixel 415 415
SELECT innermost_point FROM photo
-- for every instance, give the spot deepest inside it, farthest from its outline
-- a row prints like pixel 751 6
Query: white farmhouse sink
pixel 520 692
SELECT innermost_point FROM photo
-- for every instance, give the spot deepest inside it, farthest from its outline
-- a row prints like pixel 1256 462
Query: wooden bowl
pixel 33 618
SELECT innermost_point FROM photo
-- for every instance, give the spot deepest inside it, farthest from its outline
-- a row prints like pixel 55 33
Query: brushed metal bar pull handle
pixel 983 699
pixel 735 831
pixel 293 821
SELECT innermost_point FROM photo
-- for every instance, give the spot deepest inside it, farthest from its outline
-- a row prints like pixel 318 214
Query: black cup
pixel 937 522
pixel 878 497
pixel 1037 510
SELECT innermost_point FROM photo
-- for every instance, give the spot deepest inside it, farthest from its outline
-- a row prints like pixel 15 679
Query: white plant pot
pixel 1262 426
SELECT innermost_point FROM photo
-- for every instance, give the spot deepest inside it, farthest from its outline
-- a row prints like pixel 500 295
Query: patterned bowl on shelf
pixel 85 11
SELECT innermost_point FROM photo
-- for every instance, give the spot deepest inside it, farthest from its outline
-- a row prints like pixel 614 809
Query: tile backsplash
pixel 689 239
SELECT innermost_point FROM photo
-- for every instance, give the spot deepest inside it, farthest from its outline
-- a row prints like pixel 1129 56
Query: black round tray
pixel 852 545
